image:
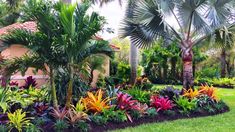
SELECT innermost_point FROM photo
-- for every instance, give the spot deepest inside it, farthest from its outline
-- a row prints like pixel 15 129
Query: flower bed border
pixel 146 120
pixel 136 122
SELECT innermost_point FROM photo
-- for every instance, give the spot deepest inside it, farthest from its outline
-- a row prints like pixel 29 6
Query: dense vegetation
pixel 66 47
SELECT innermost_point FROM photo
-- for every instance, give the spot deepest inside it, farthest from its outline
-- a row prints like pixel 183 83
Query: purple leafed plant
pixel 29 81
pixel 14 84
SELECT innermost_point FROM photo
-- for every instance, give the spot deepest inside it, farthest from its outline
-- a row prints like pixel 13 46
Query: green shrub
pixel 60 125
pixel 140 95
pixel 99 119
pixel 115 115
pixel 82 126
pixel 135 114
pixel 169 112
pixel 39 121
pixel 208 72
pixel 152 112
pixel 32 128
pixel 220 106
pixel 186 105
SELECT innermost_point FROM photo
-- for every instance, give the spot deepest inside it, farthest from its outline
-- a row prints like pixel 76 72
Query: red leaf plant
pixel 125 103
pixel 161 103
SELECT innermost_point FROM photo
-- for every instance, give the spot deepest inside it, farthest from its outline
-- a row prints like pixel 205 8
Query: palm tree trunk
pixel 173 66
pixel 165 69
pixel 53 89
pixel 133 62
pixel 223 63
pixel 187 57
pixel 92 76
pixel 70 85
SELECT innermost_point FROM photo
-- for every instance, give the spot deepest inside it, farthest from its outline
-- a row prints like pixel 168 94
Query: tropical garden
pixel 174 68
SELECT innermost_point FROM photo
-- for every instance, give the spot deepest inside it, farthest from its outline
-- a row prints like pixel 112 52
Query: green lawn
pixel 219 123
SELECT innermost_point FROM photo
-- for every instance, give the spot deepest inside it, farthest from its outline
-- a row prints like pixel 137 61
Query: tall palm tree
pixel 77 42
pixel 64 37
pixel 187 21
pixel 224 41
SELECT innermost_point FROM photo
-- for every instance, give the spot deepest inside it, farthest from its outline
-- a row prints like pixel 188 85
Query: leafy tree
pixel 189 22
pixel 64 37
pixel 224 40
pixel 10 11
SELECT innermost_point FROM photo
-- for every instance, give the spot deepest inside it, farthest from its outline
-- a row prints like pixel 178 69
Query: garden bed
pixel 144 120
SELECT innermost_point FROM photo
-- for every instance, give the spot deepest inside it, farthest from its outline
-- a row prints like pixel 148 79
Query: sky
pixel 113 13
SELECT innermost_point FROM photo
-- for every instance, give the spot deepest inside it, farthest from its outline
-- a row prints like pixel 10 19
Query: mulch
pixel 136 122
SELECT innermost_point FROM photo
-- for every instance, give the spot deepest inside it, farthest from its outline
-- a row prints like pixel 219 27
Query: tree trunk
pixel 133 62
pixel 188 80
pixel 165 69
pixel 223 63
pixel 92 76
pixel 70 85
pixel 173 66
pixel 53 89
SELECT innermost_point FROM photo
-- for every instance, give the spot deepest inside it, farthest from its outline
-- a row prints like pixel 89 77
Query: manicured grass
pixel 218 123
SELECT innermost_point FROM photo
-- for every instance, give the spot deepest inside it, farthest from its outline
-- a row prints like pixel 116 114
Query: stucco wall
pixel 18 50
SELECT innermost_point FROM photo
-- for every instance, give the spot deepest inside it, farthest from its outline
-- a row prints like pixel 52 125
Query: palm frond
pixel 21 64
pixel 143 23
pixel 97 47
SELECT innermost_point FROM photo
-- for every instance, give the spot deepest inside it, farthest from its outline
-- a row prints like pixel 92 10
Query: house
pixel 17 50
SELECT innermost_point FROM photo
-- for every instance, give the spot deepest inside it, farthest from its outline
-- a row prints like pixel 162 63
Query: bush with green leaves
pixel 140 95
pixel 152 112
pixel 82 126
pixel 221 106
pixel 80 87
pixel 115 115
pixel 18 120
pixel 33 128
pixel 99 119
pixel 60 125
pixel 186 105
pixel 169 112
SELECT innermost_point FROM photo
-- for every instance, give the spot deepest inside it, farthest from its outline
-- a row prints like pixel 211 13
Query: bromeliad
pixel 95 102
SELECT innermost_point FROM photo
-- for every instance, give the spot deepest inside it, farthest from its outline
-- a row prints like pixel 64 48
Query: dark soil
pixel 144 120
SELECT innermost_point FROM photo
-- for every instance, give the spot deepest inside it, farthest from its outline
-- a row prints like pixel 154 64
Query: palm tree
pixel 187 21
pixel 63 37
pixel 77 42
pixel 133 62
pixel 224 40
pixel 10 11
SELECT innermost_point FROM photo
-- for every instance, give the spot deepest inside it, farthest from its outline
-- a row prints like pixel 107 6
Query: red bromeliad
pixel 161 103
pixel 125 102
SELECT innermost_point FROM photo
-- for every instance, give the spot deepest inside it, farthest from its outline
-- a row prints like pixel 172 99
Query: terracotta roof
pixel 30 25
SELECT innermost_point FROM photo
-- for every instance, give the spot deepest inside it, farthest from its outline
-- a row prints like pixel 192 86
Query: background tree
pixel 224 41
pixel 10 11
pixel 195 21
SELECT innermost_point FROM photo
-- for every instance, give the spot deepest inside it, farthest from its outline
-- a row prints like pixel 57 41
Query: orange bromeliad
pixel 95 102
pixel 190 93
pixel 210 91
